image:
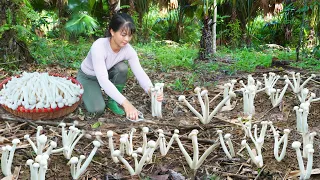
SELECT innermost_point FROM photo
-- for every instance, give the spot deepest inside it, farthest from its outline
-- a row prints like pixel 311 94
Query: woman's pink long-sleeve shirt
pixel 101 58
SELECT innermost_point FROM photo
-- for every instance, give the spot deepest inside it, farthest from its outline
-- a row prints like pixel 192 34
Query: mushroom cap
pixel 313 75
pixel 295 108
pixel 39 128
pixel 139 150
pixel 243 142
pixel 145 129
pixel 76 123
pixel 116 153
pixel 227 136
pixel 29 162
pixel 62 124
pixel 259 140
pixel 133 129
pixel 264 75
pixel 160 131
pixel 286 77
pixel 219 131
pixel 87 135
pixel 42 139
pixel 232 94
pixel 193 133
pixel 38 158
pixel 123 140
pixel 273 90
pixel 264 122
pixel 204 92
pixel 134 155
pixel 233 81
pixel 53 144
pixel 96 143
pixel 109 133
pixel 27 136
pixel 197 90
pixel 15 141
pixel 272 73
pixel 152 144
pixel 36 165
pixel 182 98
pixel 82 156
pixel 98 133
pixel 286 131
pixel 73 160
pixel 296 144
pixel 176 131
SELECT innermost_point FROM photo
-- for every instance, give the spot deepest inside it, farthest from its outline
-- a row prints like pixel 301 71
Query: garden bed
pixel 177 116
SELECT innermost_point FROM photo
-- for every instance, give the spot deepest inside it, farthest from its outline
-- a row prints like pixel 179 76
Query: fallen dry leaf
pixel 10 177
pixel 296 173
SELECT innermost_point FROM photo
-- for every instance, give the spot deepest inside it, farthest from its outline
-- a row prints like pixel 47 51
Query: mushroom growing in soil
pixel 296 87
pixel 305 173
pixel 277 142
pixel 76 168
pixel 230 153
pixel 7 157
pixel 249 92
pixel 195 162
pixel 151 145
pixel 206 116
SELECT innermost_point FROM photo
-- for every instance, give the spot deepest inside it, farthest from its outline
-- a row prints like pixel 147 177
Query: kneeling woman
pixel 104 67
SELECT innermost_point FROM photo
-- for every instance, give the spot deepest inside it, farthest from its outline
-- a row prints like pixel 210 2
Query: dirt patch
pixel 176 116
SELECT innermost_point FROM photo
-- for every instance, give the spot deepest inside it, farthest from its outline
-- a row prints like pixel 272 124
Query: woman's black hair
pixel 121 21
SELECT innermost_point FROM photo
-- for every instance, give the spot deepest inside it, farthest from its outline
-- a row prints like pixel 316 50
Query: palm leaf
pixel 81 23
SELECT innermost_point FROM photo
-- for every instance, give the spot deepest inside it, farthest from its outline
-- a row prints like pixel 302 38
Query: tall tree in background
pixel 206 48
pixel 13 50
pixel 214 27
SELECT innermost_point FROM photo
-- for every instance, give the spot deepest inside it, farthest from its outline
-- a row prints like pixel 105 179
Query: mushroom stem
pixel 111 147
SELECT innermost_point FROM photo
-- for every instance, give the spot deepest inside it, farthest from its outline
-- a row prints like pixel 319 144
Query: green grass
pixel 50 51
pixel 165 57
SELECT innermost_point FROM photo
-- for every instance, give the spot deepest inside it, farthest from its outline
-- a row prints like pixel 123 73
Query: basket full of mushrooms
pixel 40 95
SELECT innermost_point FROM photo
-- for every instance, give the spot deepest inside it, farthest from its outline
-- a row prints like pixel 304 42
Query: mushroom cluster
pixel 39 90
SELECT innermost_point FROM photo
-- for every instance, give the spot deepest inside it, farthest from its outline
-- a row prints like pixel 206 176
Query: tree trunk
pixel 112 4
pixel 13 51
pixel 206 40
pixel 300 42
pixel 214 27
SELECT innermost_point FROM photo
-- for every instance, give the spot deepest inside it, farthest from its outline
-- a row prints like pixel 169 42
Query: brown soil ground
pixel 175 116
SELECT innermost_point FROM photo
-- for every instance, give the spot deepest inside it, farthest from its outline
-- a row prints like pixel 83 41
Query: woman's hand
pixel 160 97
pixel 131 111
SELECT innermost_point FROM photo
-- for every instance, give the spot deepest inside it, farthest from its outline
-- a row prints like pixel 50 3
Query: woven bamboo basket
pixel 43 113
